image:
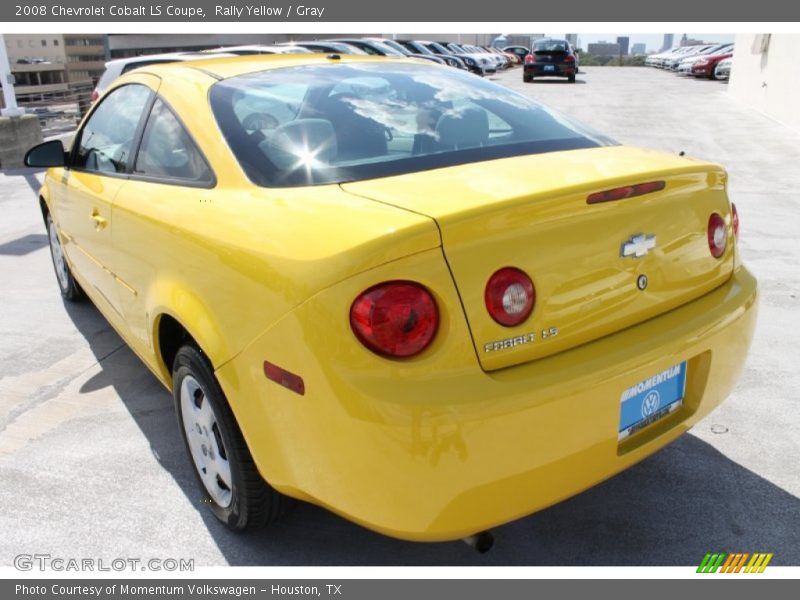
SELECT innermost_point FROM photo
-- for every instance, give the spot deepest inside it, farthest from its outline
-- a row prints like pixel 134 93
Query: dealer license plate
pixel 652 399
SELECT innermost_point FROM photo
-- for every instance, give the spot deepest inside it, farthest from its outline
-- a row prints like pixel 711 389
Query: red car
pixel 706 66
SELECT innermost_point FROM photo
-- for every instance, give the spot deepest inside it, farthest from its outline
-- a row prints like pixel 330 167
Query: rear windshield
pixel 334 123
pixel 550 46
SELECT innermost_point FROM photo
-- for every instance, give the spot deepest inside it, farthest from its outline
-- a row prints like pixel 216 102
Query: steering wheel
pixel 259 120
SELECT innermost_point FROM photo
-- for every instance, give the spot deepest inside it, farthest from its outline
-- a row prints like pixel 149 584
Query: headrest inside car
pixel 301 143
pixel 464 128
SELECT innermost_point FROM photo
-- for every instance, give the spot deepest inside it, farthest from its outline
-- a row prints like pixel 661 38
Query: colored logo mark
pixel 743 562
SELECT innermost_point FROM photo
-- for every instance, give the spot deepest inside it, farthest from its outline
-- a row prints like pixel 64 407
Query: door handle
pixel 99 221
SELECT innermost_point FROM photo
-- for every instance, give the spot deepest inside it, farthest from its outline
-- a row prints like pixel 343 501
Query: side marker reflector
pixel 284 378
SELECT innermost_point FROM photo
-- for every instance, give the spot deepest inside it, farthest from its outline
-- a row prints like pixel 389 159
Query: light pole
pixel 11 109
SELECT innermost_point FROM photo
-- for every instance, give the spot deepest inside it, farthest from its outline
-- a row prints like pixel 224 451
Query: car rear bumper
pixel 541 70
pixel 463 450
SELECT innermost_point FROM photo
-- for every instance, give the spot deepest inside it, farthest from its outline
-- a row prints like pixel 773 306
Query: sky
pixel 653 40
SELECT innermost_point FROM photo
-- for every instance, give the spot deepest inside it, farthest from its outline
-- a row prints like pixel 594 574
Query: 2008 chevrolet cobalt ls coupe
pixel 396 290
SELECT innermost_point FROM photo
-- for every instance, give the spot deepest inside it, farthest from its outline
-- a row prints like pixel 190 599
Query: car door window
pixel 106 141
pixel 167 151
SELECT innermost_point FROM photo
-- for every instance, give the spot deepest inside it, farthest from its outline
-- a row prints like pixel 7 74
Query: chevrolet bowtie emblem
pixel 638 245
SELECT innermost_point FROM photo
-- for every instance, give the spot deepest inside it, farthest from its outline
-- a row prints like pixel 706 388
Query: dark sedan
pixel 550 57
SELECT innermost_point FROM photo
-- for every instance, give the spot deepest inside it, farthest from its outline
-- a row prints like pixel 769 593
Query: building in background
pixel 53 66
pixel 38 65
pixel 86 60
pixel 669 40
pixel 624 43
pixel 639 49
pixel 603 48
pixel 766 75
pixel 687 41
pixel 572 38
pixel 512 39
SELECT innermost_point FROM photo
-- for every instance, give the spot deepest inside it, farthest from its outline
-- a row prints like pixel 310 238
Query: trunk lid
pixel 531 212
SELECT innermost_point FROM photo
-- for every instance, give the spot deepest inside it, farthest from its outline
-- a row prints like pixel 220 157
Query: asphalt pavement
pixel 92 465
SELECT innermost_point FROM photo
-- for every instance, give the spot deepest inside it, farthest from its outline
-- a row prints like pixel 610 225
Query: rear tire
pixel 229 482
pixel 571 78
pixel 69 288
pixel 527 78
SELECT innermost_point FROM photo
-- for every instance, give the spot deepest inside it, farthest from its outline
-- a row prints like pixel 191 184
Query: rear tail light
pixel 717 235
pixel 395 319
pixel 569 58
pixel 735 220
pixel 95 95
pixel 628 191
pixel 530 58
pixel 509 296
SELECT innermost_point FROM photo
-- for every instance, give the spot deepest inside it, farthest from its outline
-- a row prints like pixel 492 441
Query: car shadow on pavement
pixel 30 175
pixel 557 81
pixel 670 509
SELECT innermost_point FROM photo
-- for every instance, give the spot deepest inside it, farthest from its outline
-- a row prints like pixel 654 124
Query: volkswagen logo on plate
pixel 650 403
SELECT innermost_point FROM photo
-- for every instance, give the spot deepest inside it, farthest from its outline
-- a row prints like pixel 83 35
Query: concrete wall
pixel 769 81
pixel 17 136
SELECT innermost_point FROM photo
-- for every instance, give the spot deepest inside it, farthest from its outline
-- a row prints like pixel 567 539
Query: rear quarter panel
pixel 230 260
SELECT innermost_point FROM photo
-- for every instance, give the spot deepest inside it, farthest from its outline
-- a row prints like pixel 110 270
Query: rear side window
pixel 167 151
pixel 348 122
pixel 105 143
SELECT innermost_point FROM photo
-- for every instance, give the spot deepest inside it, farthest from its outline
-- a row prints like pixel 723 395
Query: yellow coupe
pixel 396 290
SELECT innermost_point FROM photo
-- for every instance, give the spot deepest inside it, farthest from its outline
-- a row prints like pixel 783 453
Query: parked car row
pixel 481 60
pixel 702 61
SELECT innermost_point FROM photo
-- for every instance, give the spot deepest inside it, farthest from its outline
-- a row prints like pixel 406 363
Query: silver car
pixel 723 70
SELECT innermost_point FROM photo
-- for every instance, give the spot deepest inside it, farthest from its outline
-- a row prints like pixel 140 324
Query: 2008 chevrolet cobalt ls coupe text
pixel 395 290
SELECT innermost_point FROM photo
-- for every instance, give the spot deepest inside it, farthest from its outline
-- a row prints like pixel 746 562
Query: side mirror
pixel 49 154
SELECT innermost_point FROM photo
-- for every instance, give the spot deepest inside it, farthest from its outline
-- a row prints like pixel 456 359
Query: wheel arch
pixel 180 317
pixel 44 203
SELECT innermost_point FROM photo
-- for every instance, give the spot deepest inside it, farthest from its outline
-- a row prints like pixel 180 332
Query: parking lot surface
pixel 91 459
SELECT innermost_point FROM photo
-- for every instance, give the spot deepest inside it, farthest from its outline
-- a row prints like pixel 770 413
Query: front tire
pixel 229 482
pixel 69 288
